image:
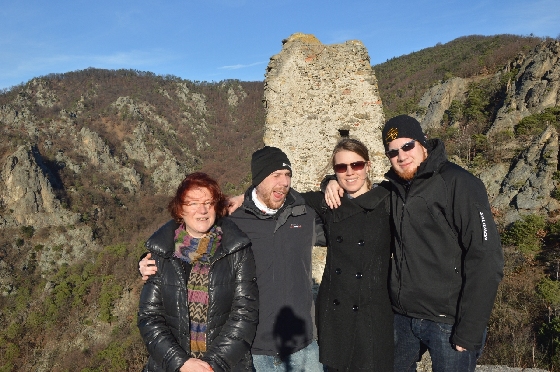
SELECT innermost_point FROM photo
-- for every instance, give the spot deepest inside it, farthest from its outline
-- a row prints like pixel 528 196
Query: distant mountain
pixel 89 158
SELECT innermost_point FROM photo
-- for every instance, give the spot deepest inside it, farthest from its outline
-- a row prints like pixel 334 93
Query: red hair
pixel 198 180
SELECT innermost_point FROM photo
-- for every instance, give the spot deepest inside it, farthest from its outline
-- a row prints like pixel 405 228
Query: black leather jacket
pixel 163 318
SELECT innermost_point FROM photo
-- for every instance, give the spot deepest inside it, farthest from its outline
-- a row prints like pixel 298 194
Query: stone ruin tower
pixel 316 94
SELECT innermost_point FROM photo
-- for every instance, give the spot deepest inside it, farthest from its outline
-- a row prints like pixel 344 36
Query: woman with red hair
pixel 199 311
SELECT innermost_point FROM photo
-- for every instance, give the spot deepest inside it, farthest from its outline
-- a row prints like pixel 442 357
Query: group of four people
pixel 413 264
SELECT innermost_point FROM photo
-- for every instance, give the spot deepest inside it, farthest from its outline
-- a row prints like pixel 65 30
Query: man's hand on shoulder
pixel 333 193
pixel 235 202
pixel 147 267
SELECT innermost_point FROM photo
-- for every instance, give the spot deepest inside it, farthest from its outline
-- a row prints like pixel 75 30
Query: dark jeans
pixel 414 336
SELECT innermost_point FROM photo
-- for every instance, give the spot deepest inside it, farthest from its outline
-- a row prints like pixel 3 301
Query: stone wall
pixel 315 94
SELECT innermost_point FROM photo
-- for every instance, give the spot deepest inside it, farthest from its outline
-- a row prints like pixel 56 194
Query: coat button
pixel 336 302
pixel 355 307
pixel 358 275
pixel 338 271
pixel 361 243
pixel 339 239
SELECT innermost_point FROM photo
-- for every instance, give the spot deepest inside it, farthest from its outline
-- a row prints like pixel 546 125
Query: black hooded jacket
pixel 447 260
pixel 163 317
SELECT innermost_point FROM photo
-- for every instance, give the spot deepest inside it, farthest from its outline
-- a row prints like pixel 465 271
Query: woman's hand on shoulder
pixel 147 267
pixel 195 365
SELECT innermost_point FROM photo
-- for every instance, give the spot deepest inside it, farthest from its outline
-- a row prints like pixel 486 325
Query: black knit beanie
pixel 403 126
pixel 267 160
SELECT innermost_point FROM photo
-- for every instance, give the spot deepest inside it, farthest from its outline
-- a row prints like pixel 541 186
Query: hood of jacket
pixel 437 157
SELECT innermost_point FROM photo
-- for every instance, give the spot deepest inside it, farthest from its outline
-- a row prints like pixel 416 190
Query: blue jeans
pixel 304 360
pixel 414 336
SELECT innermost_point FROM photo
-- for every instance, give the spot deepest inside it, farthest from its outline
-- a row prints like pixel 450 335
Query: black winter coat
pixel 448 260
pixel 163 317
pixel 354 316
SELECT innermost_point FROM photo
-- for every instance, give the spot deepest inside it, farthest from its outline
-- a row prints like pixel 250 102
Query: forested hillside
pixel 89 158
pixel 403 80
pixel 88 161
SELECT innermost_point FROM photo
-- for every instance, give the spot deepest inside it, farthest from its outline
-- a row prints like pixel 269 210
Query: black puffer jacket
pixel 163 317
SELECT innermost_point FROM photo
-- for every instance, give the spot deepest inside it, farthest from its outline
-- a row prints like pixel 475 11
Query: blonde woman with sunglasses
pixel 353 310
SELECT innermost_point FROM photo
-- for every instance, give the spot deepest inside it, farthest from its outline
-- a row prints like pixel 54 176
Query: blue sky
pixel 213 40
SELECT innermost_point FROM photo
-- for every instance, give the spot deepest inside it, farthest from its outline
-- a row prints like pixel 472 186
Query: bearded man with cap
pixel 283 231
pixel 447 260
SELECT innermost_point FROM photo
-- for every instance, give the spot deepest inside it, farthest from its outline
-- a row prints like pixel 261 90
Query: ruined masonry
pixel 316 94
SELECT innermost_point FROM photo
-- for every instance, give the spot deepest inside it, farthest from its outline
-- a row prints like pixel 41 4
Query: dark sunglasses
pixel 357 166
pixel 406 147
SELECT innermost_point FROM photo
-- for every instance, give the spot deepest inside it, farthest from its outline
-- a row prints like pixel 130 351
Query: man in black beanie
pixel 283 231
pixel 264 163
pixel 447 259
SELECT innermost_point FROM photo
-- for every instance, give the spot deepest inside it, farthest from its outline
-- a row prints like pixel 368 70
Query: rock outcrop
pixel 528 186
pixel 536 86
pixel 27 195
pixel 167 172
pixel 437 100
pixel 315 94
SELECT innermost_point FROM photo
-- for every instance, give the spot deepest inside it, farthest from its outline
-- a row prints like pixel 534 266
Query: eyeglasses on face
pixel 406 147
pixel 195 205
pixel 357 166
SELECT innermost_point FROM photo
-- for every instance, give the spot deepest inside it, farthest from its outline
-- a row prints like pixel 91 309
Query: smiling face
pixel 352 181
pixel 199 213
pixel 406 163
pixel 273 189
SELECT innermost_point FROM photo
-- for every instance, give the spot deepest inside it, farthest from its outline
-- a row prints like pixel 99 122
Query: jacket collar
pixel 367 201
pixel 293 200
pixel 162 242
pixel 293 206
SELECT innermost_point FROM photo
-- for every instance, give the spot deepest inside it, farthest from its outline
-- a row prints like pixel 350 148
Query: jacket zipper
pixel 401 243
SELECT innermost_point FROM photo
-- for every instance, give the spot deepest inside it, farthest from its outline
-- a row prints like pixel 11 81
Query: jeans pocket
pixel 445 328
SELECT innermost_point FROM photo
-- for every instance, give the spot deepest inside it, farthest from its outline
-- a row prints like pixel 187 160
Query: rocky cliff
pixel 525 184
pixel 535 86
pixel 438 99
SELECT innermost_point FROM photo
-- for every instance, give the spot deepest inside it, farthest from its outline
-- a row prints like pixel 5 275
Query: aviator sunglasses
pixel 356 166
pixel 406 147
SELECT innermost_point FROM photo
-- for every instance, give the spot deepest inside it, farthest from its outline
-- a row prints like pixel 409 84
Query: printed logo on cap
pixel 392 134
